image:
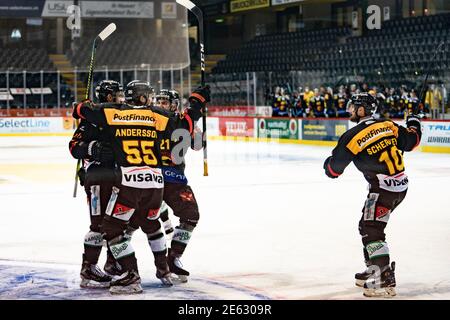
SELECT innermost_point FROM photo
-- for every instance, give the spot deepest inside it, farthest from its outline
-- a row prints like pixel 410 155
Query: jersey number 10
pixel 393 160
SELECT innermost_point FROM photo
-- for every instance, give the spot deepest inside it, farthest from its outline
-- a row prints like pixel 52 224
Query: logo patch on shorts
pixel 142 177
pixel 153 214
pixel 397 183
pixel 382 214
pixel 381 211
pixel 187 196
pixel 122 212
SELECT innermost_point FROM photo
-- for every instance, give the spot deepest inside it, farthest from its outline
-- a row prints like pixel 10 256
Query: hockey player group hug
pixel 128 141
pixel 132 144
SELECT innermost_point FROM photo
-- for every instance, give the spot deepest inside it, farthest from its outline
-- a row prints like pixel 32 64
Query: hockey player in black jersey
pixel 169 100
pixel 375 146
pixel 135 131
pixel 90 144
pixel 178 195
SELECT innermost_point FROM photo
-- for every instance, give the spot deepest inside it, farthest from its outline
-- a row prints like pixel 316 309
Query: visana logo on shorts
pixel 396 183
pixel 143 177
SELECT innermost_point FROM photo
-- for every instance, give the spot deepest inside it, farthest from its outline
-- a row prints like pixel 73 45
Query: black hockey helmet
pixel 137 89
pixel 163 94
pixel 164 99
pixel 106 87
pixel 170 95
pixel 365 100
pixel 176 101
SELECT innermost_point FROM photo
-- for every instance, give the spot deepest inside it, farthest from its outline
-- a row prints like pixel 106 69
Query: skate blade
pixel 134 288
pixel 178 279
pixel 360 283
pixel 114 276
pixel 388 292
pixel 167 281
pixel 91 284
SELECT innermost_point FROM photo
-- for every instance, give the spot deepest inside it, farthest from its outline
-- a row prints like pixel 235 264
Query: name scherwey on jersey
pixel 375 145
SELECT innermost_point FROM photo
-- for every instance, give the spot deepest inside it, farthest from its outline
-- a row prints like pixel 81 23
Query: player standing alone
pixel 374 146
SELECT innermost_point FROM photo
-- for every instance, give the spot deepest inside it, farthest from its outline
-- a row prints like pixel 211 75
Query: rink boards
pixel 319 131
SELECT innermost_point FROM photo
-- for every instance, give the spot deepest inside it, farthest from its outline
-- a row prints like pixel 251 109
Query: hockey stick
pixel 199 15
pixel 425 82
pixel 102 36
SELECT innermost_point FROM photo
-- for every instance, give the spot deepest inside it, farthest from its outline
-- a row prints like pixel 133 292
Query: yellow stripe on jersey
pixel 135 117
pixel 372 133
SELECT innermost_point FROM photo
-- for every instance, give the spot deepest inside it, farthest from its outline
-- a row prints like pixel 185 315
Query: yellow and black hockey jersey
pixel 374 146
pixel 136 133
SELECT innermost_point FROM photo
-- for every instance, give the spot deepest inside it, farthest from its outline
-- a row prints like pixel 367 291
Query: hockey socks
pixel 93 242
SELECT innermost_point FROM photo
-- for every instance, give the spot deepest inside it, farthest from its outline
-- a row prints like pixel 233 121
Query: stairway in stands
pixel 63 65
pixel 211 61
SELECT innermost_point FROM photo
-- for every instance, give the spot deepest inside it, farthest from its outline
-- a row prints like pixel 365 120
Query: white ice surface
pixel 272 226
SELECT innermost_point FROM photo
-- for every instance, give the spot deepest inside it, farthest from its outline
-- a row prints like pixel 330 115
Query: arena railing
pixel 256 88
pixel 41 90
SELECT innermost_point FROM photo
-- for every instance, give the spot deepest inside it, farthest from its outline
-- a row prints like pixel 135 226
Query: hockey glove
pixel 77 106
pixel 100 151
pixel 413 121
pixel 200 97
pixel 328 171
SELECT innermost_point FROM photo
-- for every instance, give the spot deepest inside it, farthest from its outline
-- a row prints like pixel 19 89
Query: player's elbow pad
pixel 78 150
pixel 77 111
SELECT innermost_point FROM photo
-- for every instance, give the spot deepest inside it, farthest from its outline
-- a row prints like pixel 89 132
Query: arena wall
pixel 320 131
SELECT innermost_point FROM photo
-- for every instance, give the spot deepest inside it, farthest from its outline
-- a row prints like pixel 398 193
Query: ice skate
pixel 163 271
pixel 127 283
pixel 362 277
pixel 113 268
pixel 382 286
pixel 92 277
pixel 165 277
pixel 179 275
